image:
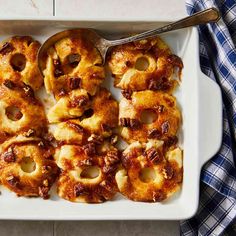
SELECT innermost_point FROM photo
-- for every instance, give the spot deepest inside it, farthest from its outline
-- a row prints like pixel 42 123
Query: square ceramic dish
pixel 200 102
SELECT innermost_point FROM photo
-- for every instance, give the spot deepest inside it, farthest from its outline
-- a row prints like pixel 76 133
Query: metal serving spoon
pixel 102 44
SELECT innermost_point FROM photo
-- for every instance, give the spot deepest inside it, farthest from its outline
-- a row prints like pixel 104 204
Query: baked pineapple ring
pixel 148 174
pixel 71 64
pixel 99 116
pixel 86 176
pixel 69 106
pixel 20 111
pixel 166 120
pixel 27 166
pixel 18 61
pixel 146 64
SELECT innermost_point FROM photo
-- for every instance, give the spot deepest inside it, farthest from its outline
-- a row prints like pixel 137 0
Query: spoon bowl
pixel 91 35
pixel 102 44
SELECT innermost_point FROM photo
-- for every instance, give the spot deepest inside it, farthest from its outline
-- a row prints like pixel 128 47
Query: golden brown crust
pixel 156 75
pixel 34 180
pixel 102 119
pixel 162 104
pixel 92 170
pixel 14 54
pixel 29 114
pixel 148 173
pixel 74 186
pixel 71 64
pixel 70 106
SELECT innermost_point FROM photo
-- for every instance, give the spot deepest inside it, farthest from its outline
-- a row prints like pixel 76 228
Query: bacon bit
pixel 45 183
pixel 175 61
pixel 41 144
pixel 76 127
pixel 94 138
pixel 165 86
pixel 125 160
pixel 153 155
pixel 103 183
pixel 43 192
pixel 179 177
pixel 79 101
pixel 58 70
pixel 9 84
pixel 159 108
pixel 159 196
pixel 29 133
pixel 143 44
pixel 169 101
pixel 48 137
pixel 94 75
pixel 62 92
pixel 13 181
pixel 46 169
pixel 74 83
pixel 154 134
pixel 170 141
pixel 168 172
pixel 80 189
pixel 56 62
pixel 9 156
pixel 28 39
pixel 86 162
pixel 153 85
pixel 28 90
pixel 128 63
pixel 127 94
pixel 6 48
pixel 114 139
pixel 89 149
pixel 165 127
pixel 105 128
pixel 130 123
pixel 108 169
pixel 161 84
pixel 112 158
pixel 82 101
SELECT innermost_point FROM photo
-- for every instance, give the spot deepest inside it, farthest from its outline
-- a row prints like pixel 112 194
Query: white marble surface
pixel 113 9
pixel 26 7
pixel 130 9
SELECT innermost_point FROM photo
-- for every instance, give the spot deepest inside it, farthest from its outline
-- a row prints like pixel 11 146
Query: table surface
pixel 131 9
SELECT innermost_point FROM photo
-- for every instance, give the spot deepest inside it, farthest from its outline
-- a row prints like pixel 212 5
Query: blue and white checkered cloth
pixel 217 209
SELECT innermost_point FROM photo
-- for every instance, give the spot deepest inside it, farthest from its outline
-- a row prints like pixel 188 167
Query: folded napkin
pixel 217 208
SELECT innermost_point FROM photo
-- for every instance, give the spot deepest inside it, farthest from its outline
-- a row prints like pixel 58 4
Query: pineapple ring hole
pixel 141 64
pixel 13 113
pixel 148 116
pixel 147 175
pixel 90 172
pixel 18 62
pixel 28 165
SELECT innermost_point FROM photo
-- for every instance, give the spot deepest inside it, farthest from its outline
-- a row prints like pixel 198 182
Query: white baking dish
pixel 200 102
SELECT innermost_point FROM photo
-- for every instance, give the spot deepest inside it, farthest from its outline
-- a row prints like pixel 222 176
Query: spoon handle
pixel 201 17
